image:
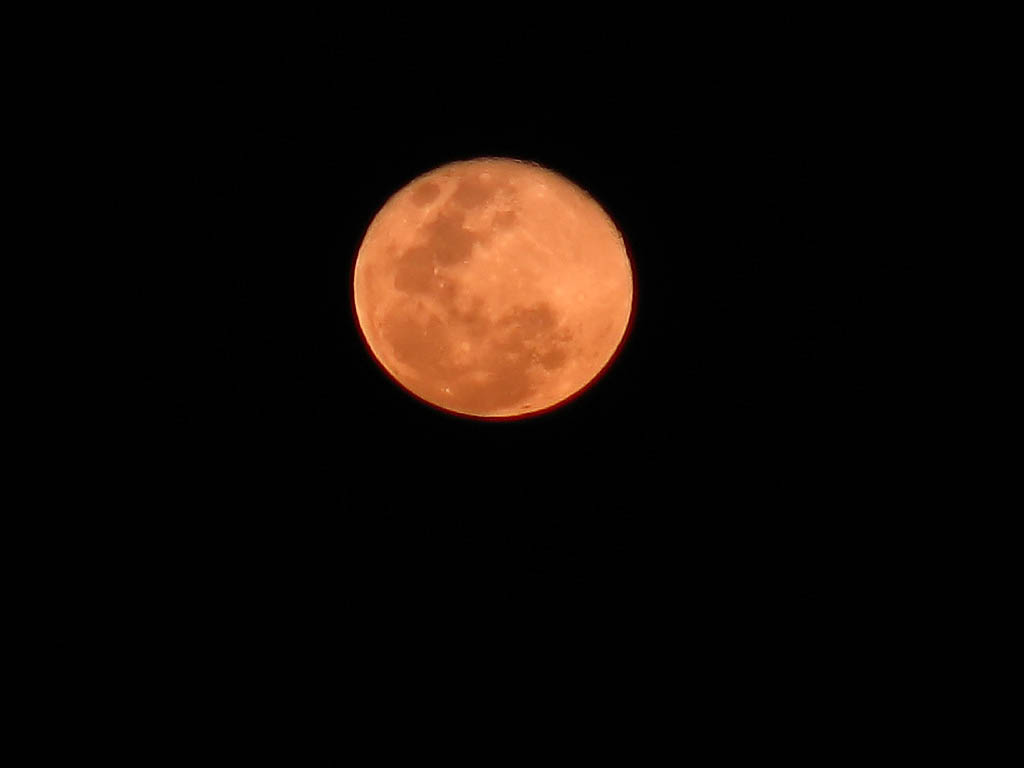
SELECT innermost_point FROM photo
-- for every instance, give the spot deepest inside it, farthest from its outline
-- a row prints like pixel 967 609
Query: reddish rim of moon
pixel 382 369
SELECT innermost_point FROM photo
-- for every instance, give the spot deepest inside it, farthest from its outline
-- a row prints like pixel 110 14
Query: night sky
pixel 728 444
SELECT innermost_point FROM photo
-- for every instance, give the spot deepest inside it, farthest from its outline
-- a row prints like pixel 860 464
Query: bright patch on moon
pixel 493 288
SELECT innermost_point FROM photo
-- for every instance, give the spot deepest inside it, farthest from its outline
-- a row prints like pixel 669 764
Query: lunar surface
pixel 493 288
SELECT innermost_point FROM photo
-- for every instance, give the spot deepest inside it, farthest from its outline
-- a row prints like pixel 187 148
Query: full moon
pixel 493 288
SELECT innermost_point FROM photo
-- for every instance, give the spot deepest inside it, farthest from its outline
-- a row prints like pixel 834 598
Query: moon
pixel 493 288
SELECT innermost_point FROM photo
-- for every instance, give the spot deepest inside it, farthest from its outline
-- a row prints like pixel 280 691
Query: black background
pixel 723 460
pixel 712 523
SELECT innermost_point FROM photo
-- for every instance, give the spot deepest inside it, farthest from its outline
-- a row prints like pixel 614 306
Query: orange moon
pixel 493 288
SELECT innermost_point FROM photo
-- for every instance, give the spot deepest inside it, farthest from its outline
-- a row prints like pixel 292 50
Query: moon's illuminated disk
pixel 493 288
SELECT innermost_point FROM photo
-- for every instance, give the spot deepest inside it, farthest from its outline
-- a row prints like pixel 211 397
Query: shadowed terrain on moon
pixel 462 352
pixel 522 338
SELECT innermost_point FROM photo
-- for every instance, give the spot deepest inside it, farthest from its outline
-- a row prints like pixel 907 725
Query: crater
pixel 502 381
pixel 469 312
pixel 474 191
pixel 530 322
pixel 553 359
pixel 449 241
pixel 420 345
pixel 504 219
pixel 425 193
pixel 415 272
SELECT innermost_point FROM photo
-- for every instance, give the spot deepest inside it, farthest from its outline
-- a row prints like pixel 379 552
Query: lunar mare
pixel 493 288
